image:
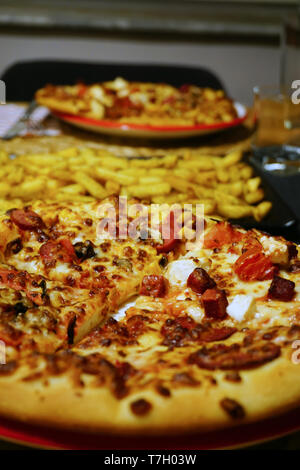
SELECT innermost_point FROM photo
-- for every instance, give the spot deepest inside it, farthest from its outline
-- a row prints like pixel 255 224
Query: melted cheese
pixel 121 313
pixel 201 256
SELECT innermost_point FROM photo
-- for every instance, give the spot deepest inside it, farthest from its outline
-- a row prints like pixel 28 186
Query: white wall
pixel 240 66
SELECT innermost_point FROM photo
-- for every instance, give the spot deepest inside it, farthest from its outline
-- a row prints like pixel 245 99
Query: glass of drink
pixel 276 142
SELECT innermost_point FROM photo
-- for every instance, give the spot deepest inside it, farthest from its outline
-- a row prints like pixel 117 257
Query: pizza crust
pixel 265 392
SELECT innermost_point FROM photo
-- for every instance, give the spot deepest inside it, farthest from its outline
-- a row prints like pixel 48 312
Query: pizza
pixel 154 104
pixel 144 335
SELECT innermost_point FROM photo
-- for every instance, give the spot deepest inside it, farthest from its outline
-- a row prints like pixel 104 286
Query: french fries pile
pixel 225 185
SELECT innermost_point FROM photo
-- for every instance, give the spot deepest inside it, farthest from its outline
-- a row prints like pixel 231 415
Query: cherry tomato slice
pixel 221 234
pixel 254 265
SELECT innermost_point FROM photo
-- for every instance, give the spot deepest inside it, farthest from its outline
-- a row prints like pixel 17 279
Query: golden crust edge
pixel 268 391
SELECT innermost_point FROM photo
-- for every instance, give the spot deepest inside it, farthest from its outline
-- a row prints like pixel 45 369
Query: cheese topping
pixel 195 312
pixel 179 271
pixel 241 307
pixel 121 313
pixel 277 250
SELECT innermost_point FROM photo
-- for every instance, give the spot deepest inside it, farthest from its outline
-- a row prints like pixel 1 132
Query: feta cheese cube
pixel 277 250
pixel 241 307
pixel 179 271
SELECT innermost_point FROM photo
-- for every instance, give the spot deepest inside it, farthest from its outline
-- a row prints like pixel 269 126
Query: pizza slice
pixel 49 317
pixel 56 266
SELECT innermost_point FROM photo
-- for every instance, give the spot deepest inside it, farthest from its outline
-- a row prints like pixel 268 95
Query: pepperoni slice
pixel 68 247
pixel 254 265
pixel 26 219
pixel 154 286
pixel 13 279
pixel 62 250
pixel 170 243
pixel 199 281
pixel 18 280
pixel 221 234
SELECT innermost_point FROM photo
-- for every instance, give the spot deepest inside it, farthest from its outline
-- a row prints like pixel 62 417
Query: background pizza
pixel 156 104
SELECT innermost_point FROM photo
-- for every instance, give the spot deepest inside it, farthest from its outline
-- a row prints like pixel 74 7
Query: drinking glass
pixel 276 142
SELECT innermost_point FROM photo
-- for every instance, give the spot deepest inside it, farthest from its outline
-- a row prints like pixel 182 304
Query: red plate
pixel 230 438
pixel 142 130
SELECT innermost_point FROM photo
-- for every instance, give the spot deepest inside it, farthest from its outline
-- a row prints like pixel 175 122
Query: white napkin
pixel 11 113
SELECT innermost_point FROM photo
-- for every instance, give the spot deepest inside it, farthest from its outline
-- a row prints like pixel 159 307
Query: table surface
pixel 218 144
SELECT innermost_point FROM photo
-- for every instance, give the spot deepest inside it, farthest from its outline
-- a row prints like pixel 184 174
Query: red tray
pixel 147 131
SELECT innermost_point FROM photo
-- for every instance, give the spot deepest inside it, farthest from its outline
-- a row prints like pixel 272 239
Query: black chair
pixel 22 79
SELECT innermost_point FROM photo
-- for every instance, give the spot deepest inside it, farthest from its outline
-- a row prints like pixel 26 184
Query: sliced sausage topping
pixel 214 302
pixel 281 289
pixel 199 281
pixel 22 281
pixel 292 250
